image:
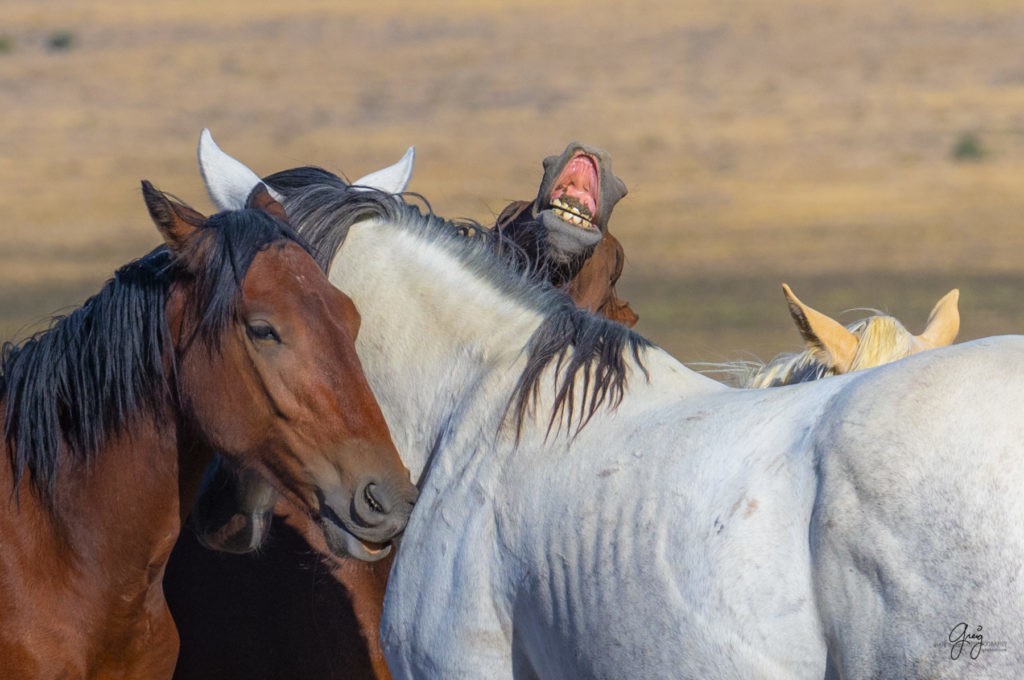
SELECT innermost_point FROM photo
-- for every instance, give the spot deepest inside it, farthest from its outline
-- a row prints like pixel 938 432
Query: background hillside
pixel 868 153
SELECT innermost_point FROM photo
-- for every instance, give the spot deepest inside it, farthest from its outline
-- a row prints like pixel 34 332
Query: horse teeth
pixel 568 214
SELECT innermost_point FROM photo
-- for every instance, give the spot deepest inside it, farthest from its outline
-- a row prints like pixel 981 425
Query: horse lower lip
pixel 374 548
pixel 328 513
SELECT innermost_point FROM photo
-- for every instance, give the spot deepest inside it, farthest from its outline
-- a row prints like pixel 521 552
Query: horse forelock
pixel 71 385
pixel 588 352
pixel 219 257
pixel 882 338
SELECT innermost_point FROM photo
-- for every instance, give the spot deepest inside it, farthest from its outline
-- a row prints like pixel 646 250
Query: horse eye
pixel 261 330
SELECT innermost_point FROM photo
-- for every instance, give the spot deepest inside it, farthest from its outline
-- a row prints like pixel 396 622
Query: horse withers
pixel 228 338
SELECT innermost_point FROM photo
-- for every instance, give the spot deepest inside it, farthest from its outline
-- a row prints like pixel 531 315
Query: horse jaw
pixel 229 181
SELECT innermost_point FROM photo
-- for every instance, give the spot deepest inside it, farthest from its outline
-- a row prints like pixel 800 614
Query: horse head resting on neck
pixel 319 436
pixel 228 339
pixel 327 208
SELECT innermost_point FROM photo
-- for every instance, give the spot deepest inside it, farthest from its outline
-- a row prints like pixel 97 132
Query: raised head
pixel 267 373
pixel 576 198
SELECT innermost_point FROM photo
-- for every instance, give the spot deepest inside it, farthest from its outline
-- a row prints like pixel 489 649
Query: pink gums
pixel 579 179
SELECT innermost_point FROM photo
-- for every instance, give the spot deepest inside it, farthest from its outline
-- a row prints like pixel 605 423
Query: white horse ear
pixel 827 339
pixel 228 181
pixel 392 179
pixel 943 322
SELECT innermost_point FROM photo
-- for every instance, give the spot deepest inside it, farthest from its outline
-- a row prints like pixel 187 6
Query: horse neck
pixel 98 545
pixel 438 342
pixel 443 346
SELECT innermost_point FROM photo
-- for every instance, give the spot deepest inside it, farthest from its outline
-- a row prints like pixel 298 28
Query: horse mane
pixel 881 339
pixel 73 384
pixel 327 207
pixel 323 208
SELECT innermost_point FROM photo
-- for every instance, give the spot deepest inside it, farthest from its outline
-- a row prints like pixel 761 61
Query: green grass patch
pixel 968 148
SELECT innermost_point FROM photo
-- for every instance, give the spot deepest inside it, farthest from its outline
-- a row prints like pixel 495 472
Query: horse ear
pixel 943 322
pixel 392 179
pixel 260 199
pixel 827 339
pixel 175 221
pixel 228 181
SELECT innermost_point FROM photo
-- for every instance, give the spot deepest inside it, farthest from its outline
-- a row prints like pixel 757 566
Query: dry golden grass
pixel 761 142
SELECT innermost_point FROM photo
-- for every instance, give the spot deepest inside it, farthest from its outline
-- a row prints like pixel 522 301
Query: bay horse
pixel 227 338
pixel 589 507
pixel 833 349
pixel 291 609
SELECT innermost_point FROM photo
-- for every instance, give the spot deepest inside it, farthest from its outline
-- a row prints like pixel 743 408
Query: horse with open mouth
pixel 564 230
pixel 226 339
pixel 591 508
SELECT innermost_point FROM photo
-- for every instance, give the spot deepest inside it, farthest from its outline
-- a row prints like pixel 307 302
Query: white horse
pixel 590 507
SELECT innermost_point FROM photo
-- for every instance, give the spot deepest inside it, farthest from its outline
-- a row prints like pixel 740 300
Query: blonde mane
pixel 881 339
pixel 832 349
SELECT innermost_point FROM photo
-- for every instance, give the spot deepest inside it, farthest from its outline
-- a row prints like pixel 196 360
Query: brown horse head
pixel 286 399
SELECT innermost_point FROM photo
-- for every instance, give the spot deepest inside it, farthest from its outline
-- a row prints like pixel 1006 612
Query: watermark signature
pixel 965 639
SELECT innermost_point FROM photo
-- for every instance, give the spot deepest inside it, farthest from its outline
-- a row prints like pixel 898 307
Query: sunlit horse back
pixel 228 339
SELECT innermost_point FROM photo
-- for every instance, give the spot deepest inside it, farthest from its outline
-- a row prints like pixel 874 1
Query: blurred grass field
pixel 870 154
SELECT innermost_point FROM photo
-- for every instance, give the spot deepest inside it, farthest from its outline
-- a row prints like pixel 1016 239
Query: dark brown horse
pixel 229 339
pixel 329 628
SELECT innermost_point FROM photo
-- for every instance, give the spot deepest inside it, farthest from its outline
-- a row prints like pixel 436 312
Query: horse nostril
pixel 371 500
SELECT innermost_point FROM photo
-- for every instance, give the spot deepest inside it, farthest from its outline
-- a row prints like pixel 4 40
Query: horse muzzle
pixel 377 513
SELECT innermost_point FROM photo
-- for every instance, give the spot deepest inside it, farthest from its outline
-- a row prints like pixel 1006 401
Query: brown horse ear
pixel 943 322
pixel 827 339
pixel 260 199
pixel 175 221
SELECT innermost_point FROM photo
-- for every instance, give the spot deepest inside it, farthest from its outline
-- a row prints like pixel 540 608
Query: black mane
pixel 323 208
pixel 72 385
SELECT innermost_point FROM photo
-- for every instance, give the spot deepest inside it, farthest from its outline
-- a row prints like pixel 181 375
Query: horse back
pixel 917 535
